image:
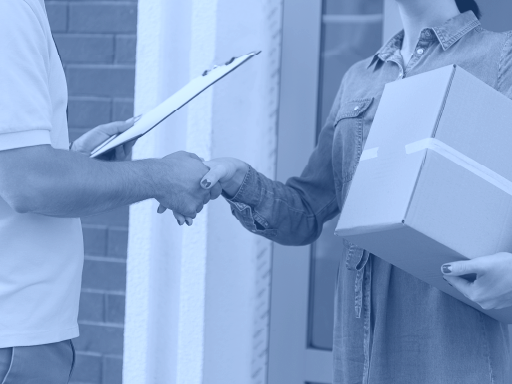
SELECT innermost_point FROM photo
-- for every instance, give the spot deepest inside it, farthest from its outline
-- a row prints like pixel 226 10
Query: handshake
pixel 185 183
pixel 181 182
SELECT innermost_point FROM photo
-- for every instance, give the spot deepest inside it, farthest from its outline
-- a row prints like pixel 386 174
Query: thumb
pixel 217 172
pixel 460 268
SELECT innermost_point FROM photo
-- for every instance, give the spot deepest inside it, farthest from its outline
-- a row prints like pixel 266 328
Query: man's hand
pixel 89 141
pixel 178 183
pixel 492 288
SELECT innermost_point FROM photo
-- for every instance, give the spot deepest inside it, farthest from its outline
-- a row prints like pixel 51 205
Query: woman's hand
pixel 492 288
pixel 228 172
pixel 89 141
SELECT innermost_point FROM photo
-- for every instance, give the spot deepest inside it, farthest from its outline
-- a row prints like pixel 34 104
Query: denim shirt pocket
pixel 356 258
pixel 348 137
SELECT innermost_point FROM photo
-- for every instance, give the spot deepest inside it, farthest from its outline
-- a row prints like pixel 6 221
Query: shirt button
pixel 420 51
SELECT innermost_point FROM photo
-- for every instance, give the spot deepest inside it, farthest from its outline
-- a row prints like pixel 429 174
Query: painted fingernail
pixel 189 222
pixel 206 183
pixel 447 268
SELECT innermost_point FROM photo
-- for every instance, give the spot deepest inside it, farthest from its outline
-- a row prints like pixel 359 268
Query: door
pixel 321 40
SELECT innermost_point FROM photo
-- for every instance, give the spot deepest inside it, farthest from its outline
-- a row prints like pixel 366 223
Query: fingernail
pixel 189 223
pixel 178 222
pixel 447 268
pixel 206 183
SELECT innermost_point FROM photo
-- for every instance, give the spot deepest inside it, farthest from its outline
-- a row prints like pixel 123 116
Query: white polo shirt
pixel 41 258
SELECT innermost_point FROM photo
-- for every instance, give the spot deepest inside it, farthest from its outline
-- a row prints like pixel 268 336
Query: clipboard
pixel 149 120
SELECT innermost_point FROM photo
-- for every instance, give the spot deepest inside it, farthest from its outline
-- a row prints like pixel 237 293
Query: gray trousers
pixel 41 364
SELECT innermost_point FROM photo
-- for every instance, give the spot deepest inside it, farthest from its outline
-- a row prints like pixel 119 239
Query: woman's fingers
pixel 161 209
pixel 179 218
pixel 462 285
pixel 460 268
pixel 215 191
pixel 216 173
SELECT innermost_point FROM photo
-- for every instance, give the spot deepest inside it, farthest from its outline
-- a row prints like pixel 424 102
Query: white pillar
pixel 198 298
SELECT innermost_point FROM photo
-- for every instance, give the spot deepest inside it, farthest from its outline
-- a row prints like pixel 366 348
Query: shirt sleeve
pixel 505 68
pixel 292 213
pixel 25 103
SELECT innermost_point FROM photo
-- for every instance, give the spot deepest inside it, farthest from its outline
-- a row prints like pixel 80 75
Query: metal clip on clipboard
pixel 151 119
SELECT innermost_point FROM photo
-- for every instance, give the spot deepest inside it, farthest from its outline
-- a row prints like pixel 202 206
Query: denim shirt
pixel 390 328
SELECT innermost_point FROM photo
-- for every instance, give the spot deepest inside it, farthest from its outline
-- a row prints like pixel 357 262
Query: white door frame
pixel 290 360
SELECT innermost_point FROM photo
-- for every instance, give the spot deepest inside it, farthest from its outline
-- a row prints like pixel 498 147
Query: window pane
pixel 352 31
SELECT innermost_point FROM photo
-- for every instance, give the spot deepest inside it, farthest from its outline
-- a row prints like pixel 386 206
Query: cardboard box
pixel 433 183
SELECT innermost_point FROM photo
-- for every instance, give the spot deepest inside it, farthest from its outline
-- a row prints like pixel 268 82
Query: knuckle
pixel 460 268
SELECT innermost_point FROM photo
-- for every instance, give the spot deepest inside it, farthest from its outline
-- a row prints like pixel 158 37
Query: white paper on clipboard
pixel 151 119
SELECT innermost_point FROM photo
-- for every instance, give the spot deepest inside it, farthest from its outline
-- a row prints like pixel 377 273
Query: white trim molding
pixel 197 305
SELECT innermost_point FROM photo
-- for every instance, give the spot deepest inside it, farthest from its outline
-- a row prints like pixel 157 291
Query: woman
pixel 392 328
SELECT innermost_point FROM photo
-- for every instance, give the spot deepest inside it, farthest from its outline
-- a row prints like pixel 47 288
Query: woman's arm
pixel 291 213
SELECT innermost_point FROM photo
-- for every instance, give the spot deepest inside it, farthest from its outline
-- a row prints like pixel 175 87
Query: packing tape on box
pixel 454 156
pixel 460 159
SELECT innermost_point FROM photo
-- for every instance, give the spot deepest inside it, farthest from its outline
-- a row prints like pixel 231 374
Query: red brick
pixel 115 308
pixel 88 369
pixel 122 109
pixel 100 338
pixel 117 242
pixel 95 240
pixel 104 274
pixel 88 112
pixel 101 80
pixel 112 370
pixel 57 15
pixel 74 48
pixel 126 49
pixel 92 307
pixel 103 17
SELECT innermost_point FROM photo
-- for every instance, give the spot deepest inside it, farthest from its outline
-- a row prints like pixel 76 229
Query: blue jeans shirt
pixel 390 328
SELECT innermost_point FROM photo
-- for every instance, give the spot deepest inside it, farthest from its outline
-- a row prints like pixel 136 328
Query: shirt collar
pixel 447 35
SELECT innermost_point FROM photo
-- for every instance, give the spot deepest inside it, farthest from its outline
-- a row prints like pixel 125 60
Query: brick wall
pixel 96 40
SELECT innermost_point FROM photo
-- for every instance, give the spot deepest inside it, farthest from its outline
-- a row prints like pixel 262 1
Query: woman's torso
pixel 390 327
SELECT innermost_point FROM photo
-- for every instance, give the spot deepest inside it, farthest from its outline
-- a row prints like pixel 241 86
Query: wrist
pixel 153 175
pixel 232 186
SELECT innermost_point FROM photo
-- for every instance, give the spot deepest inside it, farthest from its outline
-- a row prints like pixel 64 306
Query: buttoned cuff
pixel 249 193
pixel 244 205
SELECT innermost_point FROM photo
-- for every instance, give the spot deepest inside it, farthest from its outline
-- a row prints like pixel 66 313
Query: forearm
pixel 289 214
pixel 67 184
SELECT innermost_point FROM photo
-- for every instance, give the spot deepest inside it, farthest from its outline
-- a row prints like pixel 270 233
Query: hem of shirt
pixel 27 339
pixel 21 139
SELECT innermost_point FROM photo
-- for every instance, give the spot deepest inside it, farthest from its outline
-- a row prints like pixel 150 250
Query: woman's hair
pixel 469 5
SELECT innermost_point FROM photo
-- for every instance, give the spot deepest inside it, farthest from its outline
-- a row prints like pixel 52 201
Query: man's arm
pixel 59 183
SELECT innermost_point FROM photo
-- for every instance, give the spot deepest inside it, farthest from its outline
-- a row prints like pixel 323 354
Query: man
pixel 45 187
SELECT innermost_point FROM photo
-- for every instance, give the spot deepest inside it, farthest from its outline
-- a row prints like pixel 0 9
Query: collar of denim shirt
pixel 447 35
